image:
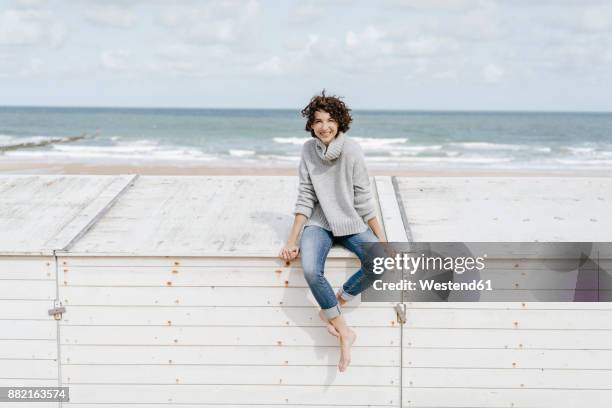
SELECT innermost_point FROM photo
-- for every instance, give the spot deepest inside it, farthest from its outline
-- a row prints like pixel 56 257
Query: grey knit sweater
pixel 334 188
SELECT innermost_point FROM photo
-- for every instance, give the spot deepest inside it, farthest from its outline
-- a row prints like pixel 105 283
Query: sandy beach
pixel 21 166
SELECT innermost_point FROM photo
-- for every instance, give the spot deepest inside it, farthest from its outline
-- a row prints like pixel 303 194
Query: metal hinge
pixel 400 310
pixel 57 311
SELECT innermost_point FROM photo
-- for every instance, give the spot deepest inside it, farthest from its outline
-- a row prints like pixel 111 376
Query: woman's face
pixel 324 127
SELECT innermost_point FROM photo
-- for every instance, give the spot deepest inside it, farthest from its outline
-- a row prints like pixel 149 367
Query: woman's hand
pixel 289 252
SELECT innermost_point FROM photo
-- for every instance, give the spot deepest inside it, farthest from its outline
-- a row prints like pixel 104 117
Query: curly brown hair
pixel 333 105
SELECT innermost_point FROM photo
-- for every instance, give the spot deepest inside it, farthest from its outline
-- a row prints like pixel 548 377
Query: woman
pixel 336 206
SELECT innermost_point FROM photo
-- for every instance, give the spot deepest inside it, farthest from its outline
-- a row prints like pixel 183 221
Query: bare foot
pixel 340 300
pixel 346 342
pixel 330 327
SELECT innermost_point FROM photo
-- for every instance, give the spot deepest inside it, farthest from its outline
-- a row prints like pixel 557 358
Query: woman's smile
pixel 325 127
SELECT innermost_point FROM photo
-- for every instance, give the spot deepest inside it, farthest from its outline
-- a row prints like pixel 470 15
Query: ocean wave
pixel 378 142
pixel 489 146
pixel 578 149
pixel 291 140
pixel 134 150
pixel 583 162
pixel 366 143
pixel 241 153
pixel 448 160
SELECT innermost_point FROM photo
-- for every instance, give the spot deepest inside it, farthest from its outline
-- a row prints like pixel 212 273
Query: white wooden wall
pixel 177 295
pixel 28 336
pixel 173 299
pixel 216 332
pixel 508 354
pixel 38 215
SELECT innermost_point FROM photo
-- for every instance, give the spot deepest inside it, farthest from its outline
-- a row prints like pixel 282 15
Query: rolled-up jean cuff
pixel 346 296
pixel 332 312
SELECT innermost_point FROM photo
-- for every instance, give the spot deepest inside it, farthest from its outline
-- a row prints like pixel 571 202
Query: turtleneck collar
pixel 331 152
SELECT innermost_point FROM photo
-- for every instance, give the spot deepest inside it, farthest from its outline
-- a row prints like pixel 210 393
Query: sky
pixel 386 54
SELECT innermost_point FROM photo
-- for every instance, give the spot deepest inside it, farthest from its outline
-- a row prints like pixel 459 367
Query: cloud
pixel 370 36
pixel 218 22
pixel 273 66
pixel 481 24
pixel 115 60
pixel 309 10
pixel 449 5
pixel 299 57
pixel 110 15
pixel 597 18
pixel 30 27
pixel 29 3
pixel 493 73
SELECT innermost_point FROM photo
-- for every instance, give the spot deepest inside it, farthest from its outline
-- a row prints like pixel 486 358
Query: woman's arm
pixel 306 200
pixel 292 249
pixel 376 229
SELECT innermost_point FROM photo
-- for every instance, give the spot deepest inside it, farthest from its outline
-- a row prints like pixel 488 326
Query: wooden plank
pixel 28 349
pixel 139 405
pixel 25 268
pixel 90 405
pixel 223 316
pixel 561 306
pixel 228 355
pixel 508 358
pixel 225 275
pixel 236 394
pixel 509 319
pixel 40 213
pixel 27 289
pixel 228 375
pixel 389 210
pixel 507 209
pixel 492 397
pixel 29 368
pixel 92 212
pixel 71 259
pixel 518 378
pixel 202 216
pixel 28 329
pixel 238 336
pixel 507 338
pixel 188 296
pixel 25 309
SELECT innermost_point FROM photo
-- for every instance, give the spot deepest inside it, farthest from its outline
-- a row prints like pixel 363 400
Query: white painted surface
pixel 508 354
pixel 389 209
pixel 39 214
pixel 169 302
pixel 506 209
pixel 198 216
pixel 179 285
pixel 245 334
pixel 28 336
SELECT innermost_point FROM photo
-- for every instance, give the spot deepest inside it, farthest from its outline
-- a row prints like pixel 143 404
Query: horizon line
pixel 298 109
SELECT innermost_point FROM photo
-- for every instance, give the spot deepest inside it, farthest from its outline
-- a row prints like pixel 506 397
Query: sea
pixel 268 138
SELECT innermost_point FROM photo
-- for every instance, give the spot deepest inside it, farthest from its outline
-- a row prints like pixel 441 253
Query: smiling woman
pixel 334 205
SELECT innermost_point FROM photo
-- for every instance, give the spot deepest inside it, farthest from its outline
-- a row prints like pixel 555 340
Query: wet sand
pixel 13 166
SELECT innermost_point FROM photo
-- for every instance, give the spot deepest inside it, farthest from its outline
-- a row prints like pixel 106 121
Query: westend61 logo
pixel 487 272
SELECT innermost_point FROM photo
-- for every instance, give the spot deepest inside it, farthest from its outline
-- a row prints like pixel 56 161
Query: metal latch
pixel 400 310
pixel 56 312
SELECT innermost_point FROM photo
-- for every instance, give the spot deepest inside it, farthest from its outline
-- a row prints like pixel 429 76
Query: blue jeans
pixel 314 247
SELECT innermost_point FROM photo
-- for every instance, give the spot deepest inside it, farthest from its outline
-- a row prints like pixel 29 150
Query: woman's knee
pixel 311 270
